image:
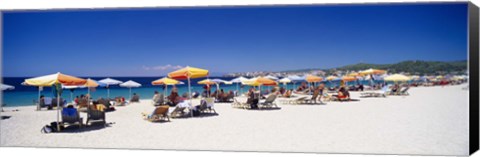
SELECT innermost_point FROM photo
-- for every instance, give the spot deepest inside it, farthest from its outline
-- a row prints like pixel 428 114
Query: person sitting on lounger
pixel 287 94
pixel 282 90
pixel 343 94
pixel 69 111
pixel 135 98
pixel 252 99
pixel 173 98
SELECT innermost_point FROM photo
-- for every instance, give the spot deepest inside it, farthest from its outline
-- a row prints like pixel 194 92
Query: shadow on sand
pixel 92 127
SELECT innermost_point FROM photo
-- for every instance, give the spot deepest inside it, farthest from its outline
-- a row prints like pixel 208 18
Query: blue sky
pixel 153 42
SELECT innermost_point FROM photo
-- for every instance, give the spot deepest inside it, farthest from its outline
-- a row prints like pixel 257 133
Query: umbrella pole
pixel 58 110
pixel 130 91
pixel 237 91
pixel 108 92
pixel 38 104
pixel 190 95
pixel 71 95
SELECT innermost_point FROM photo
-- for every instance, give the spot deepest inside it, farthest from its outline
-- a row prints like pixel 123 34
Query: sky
pixel 155 41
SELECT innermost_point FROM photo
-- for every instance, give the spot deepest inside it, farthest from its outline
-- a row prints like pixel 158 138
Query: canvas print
pixel 351 78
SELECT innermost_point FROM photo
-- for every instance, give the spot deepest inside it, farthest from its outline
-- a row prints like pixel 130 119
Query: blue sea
pixel 25 95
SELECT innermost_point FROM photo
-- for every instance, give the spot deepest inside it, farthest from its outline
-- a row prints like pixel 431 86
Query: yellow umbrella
pixel 397 77
pixel 349 78
pixel 166 81
pixel 207 81
pixel 372 71
pixel 311 78
pixel 330 78
pixel 188 73
pixel 354 74
pixel 58 80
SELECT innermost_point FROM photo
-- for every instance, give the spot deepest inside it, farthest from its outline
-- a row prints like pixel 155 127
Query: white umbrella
pixel 108 82
pixel 271 77
pixel 296 78
pixel 7 87
pixel 130 84
pixel 285 80
pixel 238 80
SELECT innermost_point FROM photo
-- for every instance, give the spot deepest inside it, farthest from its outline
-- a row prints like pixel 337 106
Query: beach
pixel 430 121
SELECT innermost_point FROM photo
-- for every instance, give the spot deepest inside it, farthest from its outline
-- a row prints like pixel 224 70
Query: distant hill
pixel 413 67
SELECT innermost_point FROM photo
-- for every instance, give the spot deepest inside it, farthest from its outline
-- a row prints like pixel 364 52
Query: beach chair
pixel 297 100
pixel 160 113
pixel 238 104
pixel 96 115
pixel 159 101
pixel 269 102
pixel 178 112
pixel 72 119
pixel 210 102
pixel 312 100
pixel 403 91
pixel 382 93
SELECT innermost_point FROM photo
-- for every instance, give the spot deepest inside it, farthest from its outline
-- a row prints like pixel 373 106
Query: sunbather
pixel 135 98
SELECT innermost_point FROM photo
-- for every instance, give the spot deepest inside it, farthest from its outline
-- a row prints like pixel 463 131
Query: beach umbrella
pixel 238 80
pixel 285 81
pixel 354 74
pixel 296 78
pixel 130 84
pixel 166 81
pixel 397 78
pixel 372 72
pixel 56 80
pixel 271 77
pixel 311 78
pixel 332 78
pixel 108 82
pixel 188 73
pixel 349 78
pixel 212 82
pixel 6 87
pixel 259 81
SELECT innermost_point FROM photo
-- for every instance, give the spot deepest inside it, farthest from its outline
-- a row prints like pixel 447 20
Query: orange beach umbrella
pixel 57 79
pixel 311 78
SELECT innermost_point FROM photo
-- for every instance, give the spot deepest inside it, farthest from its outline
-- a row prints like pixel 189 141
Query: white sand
pixel 432 120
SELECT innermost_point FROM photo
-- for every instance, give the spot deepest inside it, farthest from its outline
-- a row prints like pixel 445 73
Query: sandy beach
pixel 431 121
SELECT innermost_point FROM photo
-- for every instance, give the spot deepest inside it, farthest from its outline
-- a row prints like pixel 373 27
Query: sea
pixel 27 95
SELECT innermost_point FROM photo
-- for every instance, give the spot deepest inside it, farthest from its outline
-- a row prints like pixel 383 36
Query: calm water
pixel 24 95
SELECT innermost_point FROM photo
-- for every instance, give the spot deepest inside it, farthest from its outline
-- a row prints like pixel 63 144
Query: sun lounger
pixel 295 101
pixel 72 119
pixel 210 102
pixel 160 113
pixel 177 112
pixel 238 104
pixel 382 93
pixel 269 102
pixel 96 115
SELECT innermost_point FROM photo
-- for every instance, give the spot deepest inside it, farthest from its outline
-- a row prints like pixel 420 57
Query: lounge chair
pixel 160 113
pixel 46 103
pixel 313 99
pixel 403 91
pixel 210 102
pixel 159 101
pixel 238 104
pixel 96 115
pixel 178 112
pixel 295 101
pixel 72 119
pixel 269 102
pixel 382 93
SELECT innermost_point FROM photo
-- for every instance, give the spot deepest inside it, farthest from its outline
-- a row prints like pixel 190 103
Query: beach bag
pixel 196 113
pixel 46 129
